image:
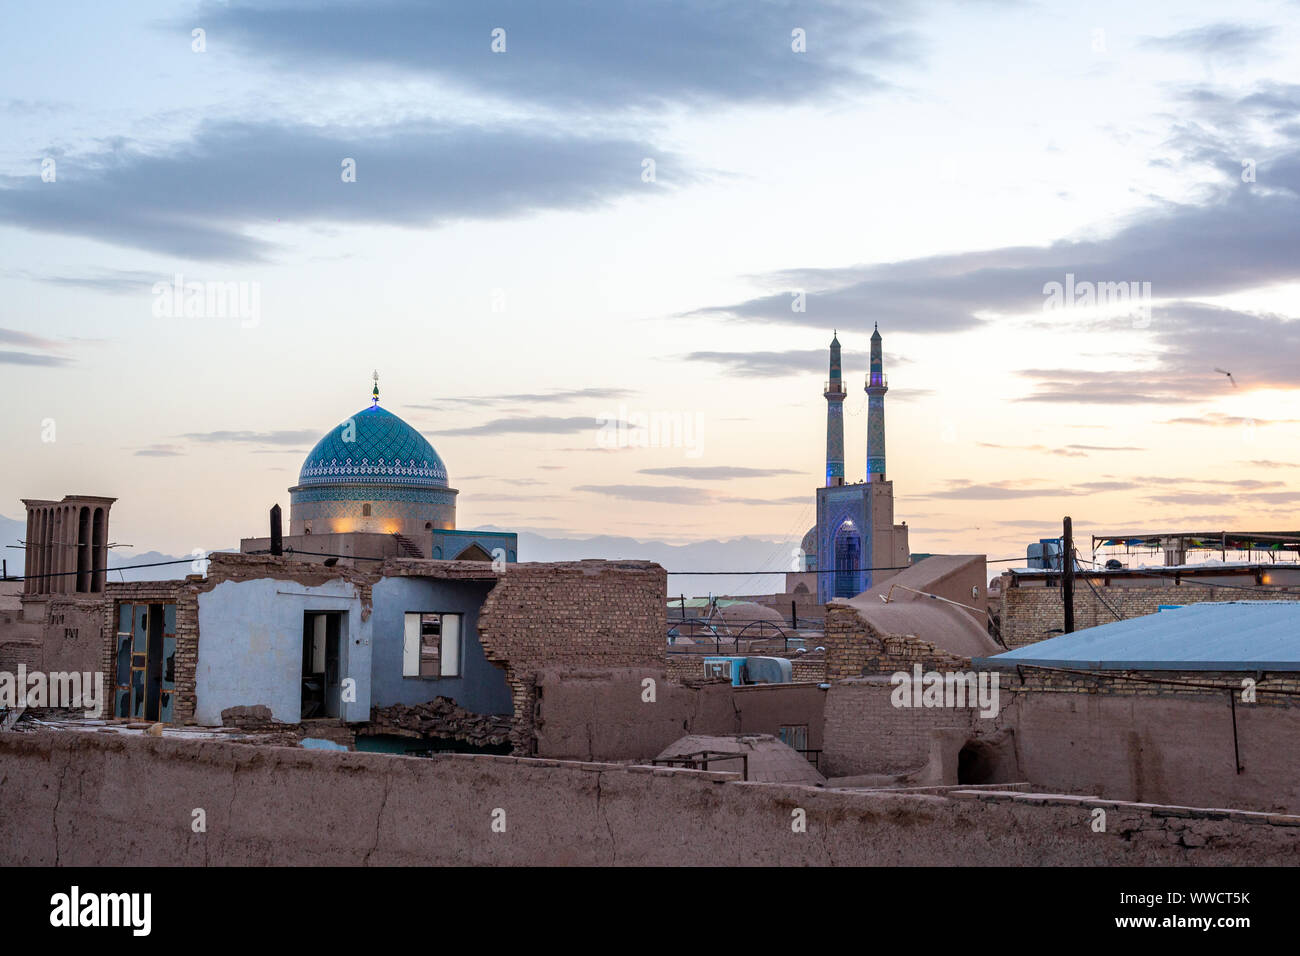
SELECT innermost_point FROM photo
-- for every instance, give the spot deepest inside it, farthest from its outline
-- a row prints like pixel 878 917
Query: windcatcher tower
pixel 877 386
pixel 835 395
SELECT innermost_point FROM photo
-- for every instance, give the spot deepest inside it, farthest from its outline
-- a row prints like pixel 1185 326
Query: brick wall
pixel 1146 739
pixel 1031 614
pixel 854 648
pixel 593 614
pixel 811 670
pixel 865 734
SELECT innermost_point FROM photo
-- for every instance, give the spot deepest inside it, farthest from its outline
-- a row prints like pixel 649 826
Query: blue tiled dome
pixel 384 450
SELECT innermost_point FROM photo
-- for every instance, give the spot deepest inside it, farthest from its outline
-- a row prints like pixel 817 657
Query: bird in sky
pixel 1229 374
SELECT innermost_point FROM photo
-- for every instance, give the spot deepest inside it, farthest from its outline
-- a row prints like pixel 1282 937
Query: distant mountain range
pixel 735 555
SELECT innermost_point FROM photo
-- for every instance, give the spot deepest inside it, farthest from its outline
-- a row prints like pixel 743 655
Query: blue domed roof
pixel 375 447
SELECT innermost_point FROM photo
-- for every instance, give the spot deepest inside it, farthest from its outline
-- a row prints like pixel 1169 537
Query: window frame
pixel 450 660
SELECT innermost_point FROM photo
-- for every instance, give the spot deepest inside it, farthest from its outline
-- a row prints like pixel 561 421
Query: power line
pixel 125 567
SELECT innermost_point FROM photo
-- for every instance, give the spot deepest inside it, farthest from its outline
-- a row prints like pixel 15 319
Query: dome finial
pixel 374 395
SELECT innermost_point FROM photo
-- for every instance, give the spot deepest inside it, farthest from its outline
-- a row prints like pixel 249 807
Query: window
pixel 145 687
pixel 431 645
pixel 365 511
pixel 718 669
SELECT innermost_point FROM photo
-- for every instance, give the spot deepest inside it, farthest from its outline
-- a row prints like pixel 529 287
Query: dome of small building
pixel 376 447
pixel 809 543
pixel 373 473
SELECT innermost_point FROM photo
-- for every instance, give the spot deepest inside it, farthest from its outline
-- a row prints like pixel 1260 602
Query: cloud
pixel 1220 420
pixel 1063 452
pixel 1191 498
pixel 790 362
pixel 791 500
pixel 1276 497
pixel 26 340
pixel 662 494
pixel 998 491
pixel 114 282
pixel 616 54
pixel 535 425
pixel 27 358
pixel 200 199
pixel 160 451
pixel 1235 236
pixel 910 394
pixel 716 472
pixel 1098 486
pixel 557 395
pixel 1266 463
pixel 1230 40
pixel 281 437
pixel 41 358
pixel 1069 451
pixel 1187 342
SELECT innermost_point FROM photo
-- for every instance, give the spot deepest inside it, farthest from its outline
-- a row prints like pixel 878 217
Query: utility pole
pixel 1067 576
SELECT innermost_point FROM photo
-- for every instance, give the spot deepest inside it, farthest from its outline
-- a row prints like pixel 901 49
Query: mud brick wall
pixel 593 614
pixel 81 799
pixel 805 670
pixel 605 715
pixel 866 734
pixel 1032 614
pixel 1095 734
pixel 854 649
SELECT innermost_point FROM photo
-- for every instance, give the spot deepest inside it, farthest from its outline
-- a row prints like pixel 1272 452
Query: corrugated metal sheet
pixel 1228 636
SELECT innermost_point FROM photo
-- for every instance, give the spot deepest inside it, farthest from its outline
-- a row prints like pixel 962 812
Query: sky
pixel 545 225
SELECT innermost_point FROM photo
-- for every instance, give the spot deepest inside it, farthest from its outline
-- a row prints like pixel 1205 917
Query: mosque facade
pixel 855 543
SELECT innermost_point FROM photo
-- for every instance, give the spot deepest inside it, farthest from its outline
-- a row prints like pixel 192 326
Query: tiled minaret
pixel 877 386
pixel 835 395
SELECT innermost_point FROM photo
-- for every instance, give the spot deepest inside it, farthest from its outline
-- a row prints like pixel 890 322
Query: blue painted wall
pixel 482 686
pixel 250 647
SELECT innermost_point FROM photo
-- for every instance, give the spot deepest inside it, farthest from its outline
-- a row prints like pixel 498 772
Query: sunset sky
pixel 503 262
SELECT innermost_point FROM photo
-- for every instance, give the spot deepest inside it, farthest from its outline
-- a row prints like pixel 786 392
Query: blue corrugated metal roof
pixel 1227 636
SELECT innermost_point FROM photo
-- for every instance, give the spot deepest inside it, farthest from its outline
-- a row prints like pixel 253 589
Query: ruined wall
pixel 222 567
pixel 77 799
pixel 71 631
pixel 1094 735
pixel 603 715
pixel 1032 614
pixel 481 686
pixel 578 614
pixel 251 646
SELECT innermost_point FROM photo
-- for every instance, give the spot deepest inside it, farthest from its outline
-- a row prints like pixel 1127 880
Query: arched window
pixel 848 559
pixel 365 511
